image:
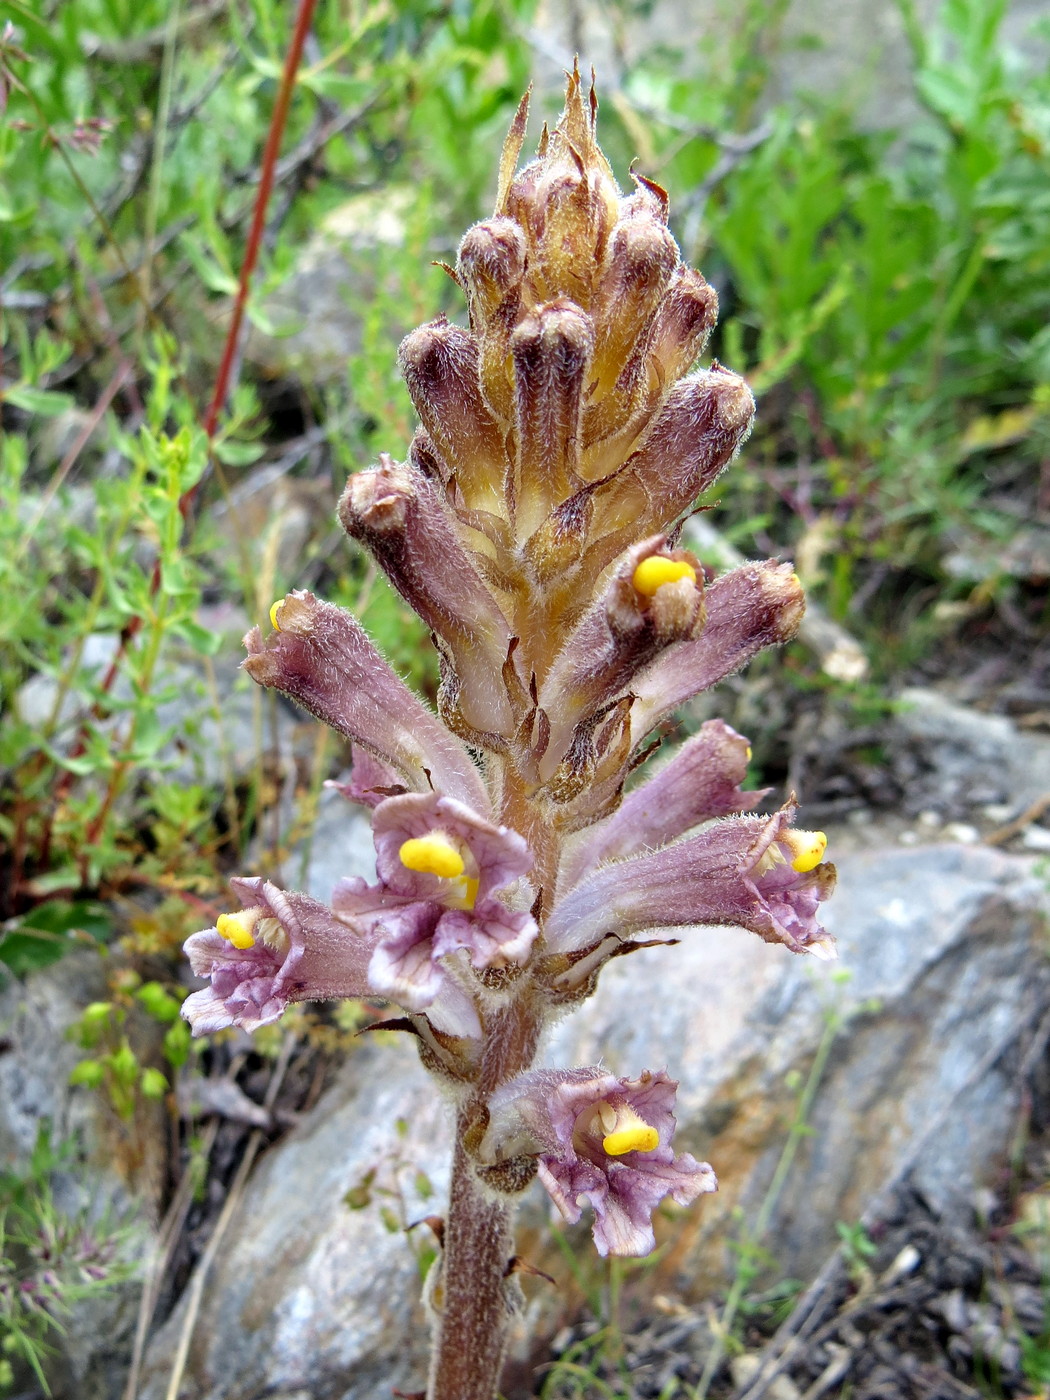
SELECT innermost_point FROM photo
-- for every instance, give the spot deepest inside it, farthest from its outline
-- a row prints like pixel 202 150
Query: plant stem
pixel 473 1307
pixel 262 199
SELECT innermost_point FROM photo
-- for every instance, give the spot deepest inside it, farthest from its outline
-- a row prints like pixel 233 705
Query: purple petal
pixel 403 966
pixel 313 957
pixel 322 659
pixel 498 855
pixel 702 780
pixel 370 780
pixel 493 935
pixel 558 1111
pixel 719 876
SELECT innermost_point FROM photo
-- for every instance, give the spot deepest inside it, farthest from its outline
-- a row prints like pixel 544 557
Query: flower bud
pixel 322 659
pixel 625 629
pixel 552 352
pixel 681 327
pixel 641 261
pixel 491 264
pixel 398 515
pixel 694 436
pixel 440 364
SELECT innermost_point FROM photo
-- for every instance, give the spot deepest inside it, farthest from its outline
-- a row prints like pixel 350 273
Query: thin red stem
pixel 251 252
pixel 274 137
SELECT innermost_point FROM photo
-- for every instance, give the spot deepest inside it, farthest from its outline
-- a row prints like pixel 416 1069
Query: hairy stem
pixel 472 1304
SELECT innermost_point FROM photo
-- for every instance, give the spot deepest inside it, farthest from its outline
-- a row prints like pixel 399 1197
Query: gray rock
pixel 340 844
pixel 853 51
pixel 971 758
pixel 315 316
pixel 111 1176
pixel 308 1296
pixel 941 944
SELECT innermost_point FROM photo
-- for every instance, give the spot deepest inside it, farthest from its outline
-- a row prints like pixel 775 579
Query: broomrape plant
pixel 534 528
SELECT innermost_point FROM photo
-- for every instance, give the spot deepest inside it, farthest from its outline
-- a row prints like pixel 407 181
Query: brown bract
pixel 563 439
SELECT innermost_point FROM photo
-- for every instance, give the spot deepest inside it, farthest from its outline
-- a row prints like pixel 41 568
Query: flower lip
pixel 602 1140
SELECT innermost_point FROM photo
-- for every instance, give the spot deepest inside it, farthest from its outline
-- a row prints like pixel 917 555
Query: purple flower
pixel 282 947
pixel 439 864
pixel 320 657
pixel 370 781
pixel 755 872
pixel 700 781
pixel 604 1141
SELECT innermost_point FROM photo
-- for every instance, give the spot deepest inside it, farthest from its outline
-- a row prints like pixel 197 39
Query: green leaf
pixel 203 641
pixel 46 403
pixel 154 1083
pixel 23 953
pixel 65 916
pixel 88 1073
pixel 238 454
pixel 177 1042
pixel 158 1002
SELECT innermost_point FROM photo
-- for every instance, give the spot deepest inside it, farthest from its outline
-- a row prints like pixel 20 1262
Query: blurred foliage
pixel 49 1261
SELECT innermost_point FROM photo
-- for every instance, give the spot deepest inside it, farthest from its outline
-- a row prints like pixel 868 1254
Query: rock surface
pixel 971 758
pixel 817 46
pixel 947 976
pixel 316 315
pixel 309 1297
pixel 113 1174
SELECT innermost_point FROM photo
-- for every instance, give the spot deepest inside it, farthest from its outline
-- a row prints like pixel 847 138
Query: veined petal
pixel 700 781
pixel 572 1119
pixel 495 855
pixel 734 871
pixel 297 951
pixel 321 658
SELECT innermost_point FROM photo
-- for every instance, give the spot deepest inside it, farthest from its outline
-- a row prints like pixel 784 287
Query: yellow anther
pixel 631 1134
pixel 275 612
pixel 807 848
pixel 237 928
pixel 654 572
pixel 432 855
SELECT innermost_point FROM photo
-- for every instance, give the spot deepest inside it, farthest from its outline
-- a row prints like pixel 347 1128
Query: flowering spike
pixel 565 433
